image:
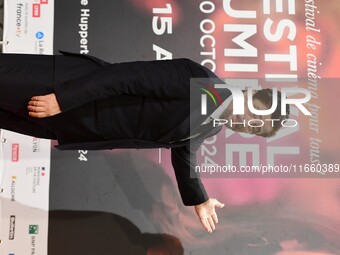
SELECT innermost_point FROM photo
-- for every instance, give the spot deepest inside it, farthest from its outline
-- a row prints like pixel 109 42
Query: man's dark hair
pixel 266 97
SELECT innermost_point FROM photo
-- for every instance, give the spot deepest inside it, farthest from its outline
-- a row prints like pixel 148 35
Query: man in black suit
pixel 87 103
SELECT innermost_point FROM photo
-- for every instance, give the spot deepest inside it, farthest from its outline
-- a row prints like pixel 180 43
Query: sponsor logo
pixel 11 227
pixel 33 229
pixel 13 185
pixel 33 245
pixel 36 144
pixel 18 20
pixel 15 152
pixel 43 172
pixel 36 10
pixel 40 47
pixel 39 35
pixel 37 173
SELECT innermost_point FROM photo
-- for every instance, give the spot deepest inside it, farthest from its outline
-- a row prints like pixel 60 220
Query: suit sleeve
pixel 189 183
pixel 168 79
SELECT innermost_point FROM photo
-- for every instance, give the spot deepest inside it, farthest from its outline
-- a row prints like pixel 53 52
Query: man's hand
pixel 43 106
pixel 207 215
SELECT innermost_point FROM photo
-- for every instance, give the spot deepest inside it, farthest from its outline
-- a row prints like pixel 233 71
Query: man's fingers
pixel 214 217
pixel 36 108
pixel 37 114
pixel 38 98
pixel 36 103
pixel 47 104
pixel 206 224
pixel 219 204
pixel 211 222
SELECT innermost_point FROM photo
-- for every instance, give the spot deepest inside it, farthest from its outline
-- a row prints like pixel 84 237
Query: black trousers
pixel 25 76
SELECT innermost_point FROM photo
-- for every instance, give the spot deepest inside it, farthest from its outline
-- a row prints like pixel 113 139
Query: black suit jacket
pixel 142 104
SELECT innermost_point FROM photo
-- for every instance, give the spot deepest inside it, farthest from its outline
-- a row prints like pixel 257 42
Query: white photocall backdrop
pixel 24 160
pixel 28 26
pixel 24 180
